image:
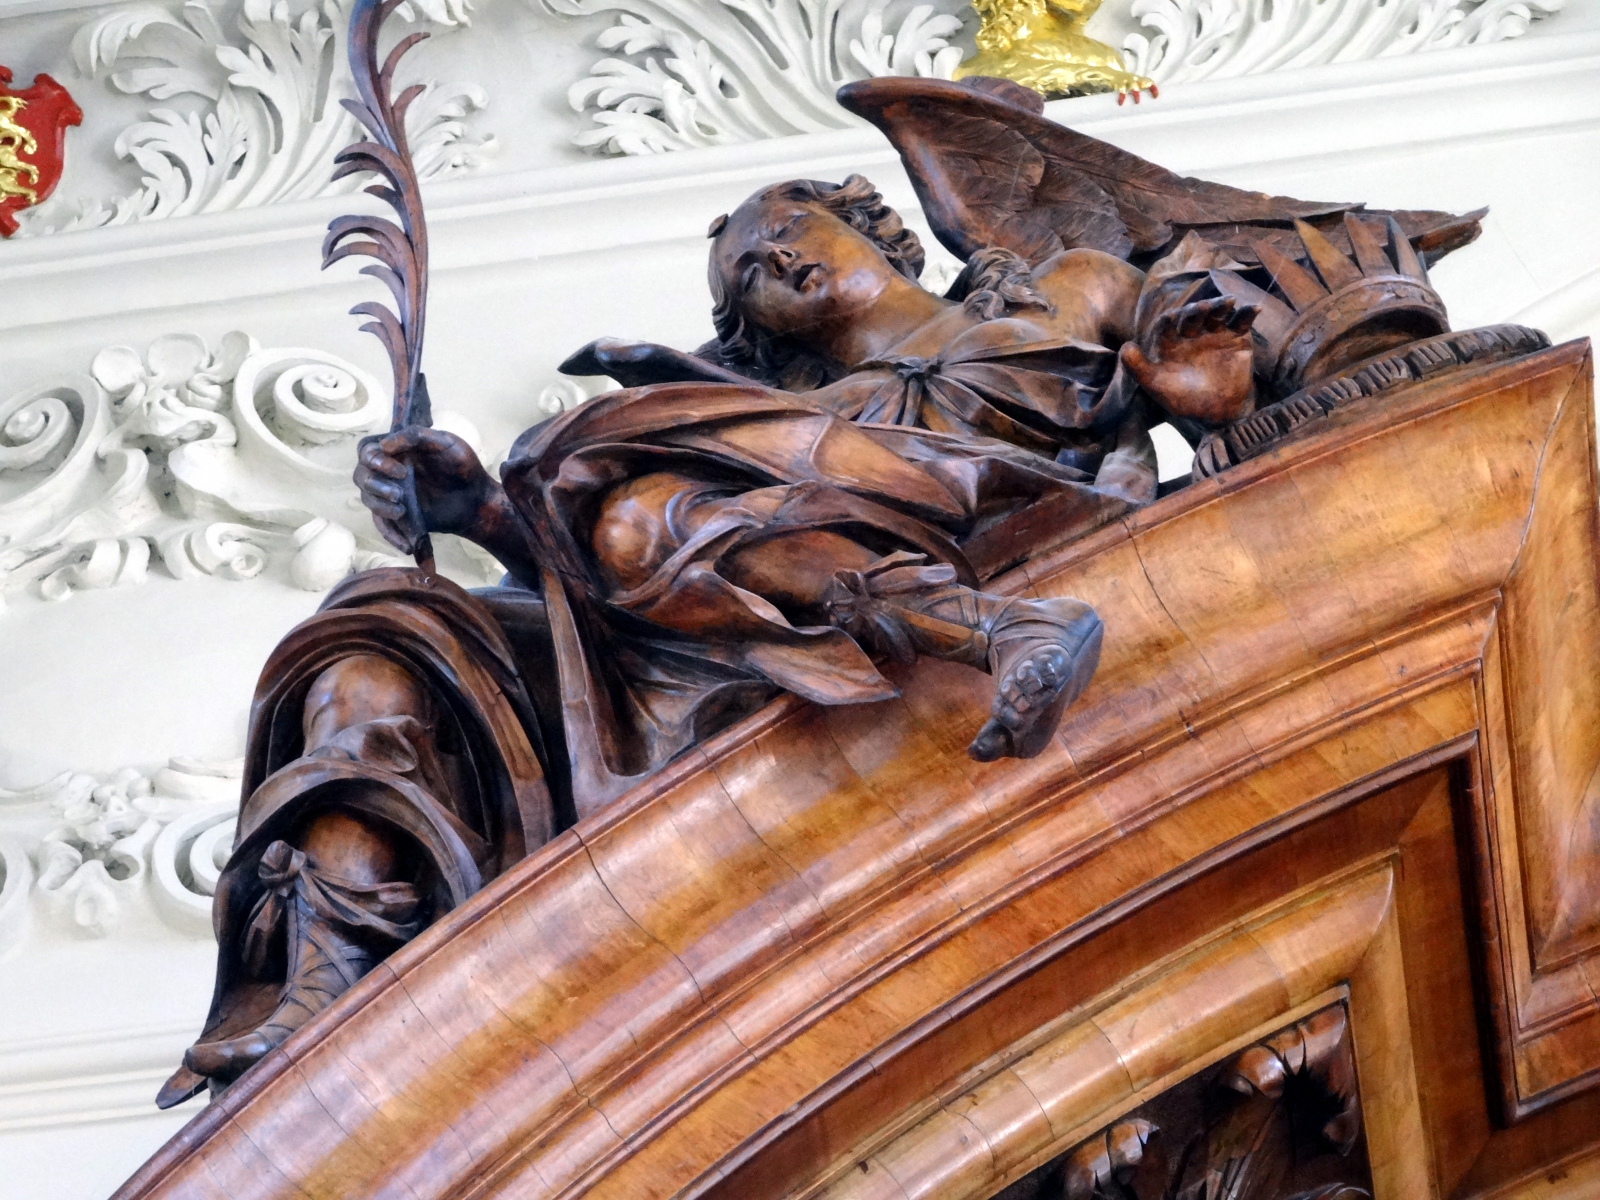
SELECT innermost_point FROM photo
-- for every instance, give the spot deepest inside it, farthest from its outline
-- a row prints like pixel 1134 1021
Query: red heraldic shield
pixel 33 135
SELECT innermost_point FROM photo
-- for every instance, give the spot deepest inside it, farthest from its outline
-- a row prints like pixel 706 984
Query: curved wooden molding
pixel 1105 1060
pixel 780 945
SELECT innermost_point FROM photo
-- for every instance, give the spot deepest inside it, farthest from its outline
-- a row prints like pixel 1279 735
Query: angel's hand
pixel 453 489
pixel 1196 360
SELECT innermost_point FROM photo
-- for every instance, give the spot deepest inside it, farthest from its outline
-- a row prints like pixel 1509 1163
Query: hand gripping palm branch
pixel 401 250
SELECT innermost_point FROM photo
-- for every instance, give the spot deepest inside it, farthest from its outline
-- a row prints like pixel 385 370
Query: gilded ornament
pixel 33 131
pixel 1042 44
pixel 16 140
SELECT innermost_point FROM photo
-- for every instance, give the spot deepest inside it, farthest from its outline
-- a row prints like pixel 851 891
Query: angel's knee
pixel 358 689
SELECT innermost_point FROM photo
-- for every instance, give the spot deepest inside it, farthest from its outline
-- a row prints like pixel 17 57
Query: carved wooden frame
pixel 1336 939
pixel 782 943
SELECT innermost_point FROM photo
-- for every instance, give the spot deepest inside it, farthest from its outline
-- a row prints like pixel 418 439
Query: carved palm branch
pixel 400 249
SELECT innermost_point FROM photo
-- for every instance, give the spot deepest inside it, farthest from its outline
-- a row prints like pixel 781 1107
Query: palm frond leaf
pixel 401 250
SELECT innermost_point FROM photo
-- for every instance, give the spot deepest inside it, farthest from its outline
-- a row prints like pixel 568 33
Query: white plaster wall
pixel 533 257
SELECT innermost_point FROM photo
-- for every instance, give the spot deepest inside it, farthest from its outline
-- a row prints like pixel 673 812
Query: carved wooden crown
pixel 1342 308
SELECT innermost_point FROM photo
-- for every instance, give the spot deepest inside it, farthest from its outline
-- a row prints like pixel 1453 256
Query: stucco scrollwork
pixel 684 74
pixel 16 882
pixel 690 73
pixel 1219 39
pixel 205 461
pixel 117 844
pixel 265 118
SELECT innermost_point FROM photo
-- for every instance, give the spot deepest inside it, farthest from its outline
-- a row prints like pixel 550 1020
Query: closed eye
pixel 748 279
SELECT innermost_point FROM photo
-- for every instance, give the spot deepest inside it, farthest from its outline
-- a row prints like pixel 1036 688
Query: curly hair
pixel 784 362
pixel 997 281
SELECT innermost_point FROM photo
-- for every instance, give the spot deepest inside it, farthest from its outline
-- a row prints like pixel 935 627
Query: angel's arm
pixel 636 364
pixel 1096 295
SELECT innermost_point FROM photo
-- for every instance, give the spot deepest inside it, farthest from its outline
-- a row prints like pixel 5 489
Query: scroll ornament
pixel 680 75
pixel 1223 39
pixel 688 74
pixel 230 461
pixel 92 854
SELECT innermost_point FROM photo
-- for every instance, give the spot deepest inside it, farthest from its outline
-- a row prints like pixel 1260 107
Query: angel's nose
pixel 781 258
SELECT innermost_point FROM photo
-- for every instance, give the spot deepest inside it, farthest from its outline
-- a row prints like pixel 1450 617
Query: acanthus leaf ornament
pixel 692 74
pixel 33 135
pixel 680 75
pixel 1189 40
pixel 269 118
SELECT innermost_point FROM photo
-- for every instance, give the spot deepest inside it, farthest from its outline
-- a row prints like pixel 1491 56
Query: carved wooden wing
pixel 991 170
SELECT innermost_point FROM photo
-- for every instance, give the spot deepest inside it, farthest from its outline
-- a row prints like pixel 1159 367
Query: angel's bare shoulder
pixel 1094 293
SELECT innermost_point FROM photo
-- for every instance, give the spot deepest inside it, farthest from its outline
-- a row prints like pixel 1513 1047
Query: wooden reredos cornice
pixel 828 953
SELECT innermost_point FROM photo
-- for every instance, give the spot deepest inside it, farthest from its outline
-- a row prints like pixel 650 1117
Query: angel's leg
pixel 1042 653
pixel 341 881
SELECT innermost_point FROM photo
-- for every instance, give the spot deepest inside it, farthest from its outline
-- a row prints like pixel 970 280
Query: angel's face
pixel 796 270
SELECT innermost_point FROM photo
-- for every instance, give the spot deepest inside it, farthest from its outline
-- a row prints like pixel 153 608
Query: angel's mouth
pixel 802 273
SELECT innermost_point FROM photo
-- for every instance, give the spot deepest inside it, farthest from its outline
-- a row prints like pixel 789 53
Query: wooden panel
pixel 814 923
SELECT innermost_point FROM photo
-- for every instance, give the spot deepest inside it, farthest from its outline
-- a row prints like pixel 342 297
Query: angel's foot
pixel 334 929
pixel 1042 653
pixel 324 963
pixel 1047 660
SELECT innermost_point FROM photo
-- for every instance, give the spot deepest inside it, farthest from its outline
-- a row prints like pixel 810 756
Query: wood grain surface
pixel 1343 742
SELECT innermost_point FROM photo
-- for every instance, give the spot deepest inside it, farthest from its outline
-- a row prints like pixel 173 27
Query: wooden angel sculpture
pixel 831 482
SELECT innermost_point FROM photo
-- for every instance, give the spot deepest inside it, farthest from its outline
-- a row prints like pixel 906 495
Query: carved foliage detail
pixel 207 461
pixel 1280 1120
pixel 1219 39
pixel 269 118
pixel 682 73
pixel 693 73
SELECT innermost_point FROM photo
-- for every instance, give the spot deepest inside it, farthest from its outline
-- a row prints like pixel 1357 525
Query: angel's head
pixel 798 259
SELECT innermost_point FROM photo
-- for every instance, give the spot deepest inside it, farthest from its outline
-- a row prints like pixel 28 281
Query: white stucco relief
pixel 686 73
pixel 270 119
pixel 186 460
pixel 100 851
pixel 199 460
pixel 1222 39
